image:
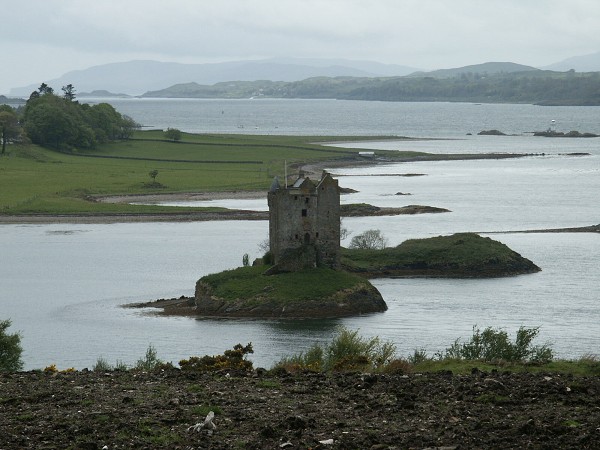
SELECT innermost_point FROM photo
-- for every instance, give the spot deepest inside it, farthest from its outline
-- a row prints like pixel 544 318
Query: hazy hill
pixel 527 86
pixel 584 63
pixel 137 77
pixel 489 68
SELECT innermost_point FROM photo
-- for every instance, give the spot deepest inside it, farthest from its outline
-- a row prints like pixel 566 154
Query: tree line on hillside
pixel 532 86
pixel 546 88
pixel 61 122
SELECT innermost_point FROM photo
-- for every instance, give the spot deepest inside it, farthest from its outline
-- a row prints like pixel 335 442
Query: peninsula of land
pixel 192 168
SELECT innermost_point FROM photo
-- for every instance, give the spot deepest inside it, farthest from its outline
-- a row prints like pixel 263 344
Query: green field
pixel 35 180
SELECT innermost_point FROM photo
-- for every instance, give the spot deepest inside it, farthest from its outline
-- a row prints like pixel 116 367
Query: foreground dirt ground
pixel 259 409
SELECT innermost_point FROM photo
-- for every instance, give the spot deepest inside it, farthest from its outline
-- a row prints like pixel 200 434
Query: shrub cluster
pixel 494 345
pixel 231 359
pixel 347 352
pixel 10 349
pixel 148 363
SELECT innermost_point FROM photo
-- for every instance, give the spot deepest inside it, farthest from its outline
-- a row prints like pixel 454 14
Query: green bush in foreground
pixel 231 359
pixel 490 347
pixel 494 345
pixel 10 349
pixel 149 362
pixel 347 351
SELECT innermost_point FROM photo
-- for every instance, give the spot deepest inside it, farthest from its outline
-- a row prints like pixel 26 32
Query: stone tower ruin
pixel 304 223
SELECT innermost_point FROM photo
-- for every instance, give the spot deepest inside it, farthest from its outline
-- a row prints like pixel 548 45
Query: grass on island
pixel 308 284
pixel 461 252
pixel 35 180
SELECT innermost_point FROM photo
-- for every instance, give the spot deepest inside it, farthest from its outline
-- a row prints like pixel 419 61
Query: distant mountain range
pixel 137 77
pixel 153 78
pixel 585 63
pixel 338 78
pixel 477 84
pixel 485 68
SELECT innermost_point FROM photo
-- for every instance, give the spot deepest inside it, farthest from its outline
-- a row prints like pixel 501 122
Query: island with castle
pixel 301 275
pixel 307 274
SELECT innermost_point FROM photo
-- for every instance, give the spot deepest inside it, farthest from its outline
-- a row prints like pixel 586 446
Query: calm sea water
pixel 62 285
pixel 351 118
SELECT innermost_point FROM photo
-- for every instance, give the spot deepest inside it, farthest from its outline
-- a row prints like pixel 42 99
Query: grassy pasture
pixel 35 180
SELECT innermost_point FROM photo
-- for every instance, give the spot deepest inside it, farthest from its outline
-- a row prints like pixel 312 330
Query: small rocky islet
pixel 326 293
pixel 306 274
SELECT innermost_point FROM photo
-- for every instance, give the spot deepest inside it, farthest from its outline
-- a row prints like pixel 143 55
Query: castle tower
pixel 304 223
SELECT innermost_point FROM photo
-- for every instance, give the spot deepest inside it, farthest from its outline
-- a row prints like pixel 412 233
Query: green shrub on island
pixel 458 255
pixel 369 240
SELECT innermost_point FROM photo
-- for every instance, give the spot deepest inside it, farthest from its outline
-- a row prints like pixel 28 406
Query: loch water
pixel 63 284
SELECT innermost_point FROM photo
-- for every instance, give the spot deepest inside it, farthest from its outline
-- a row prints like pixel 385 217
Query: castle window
pixel 317 235
pixel 304 212
pixel 305 199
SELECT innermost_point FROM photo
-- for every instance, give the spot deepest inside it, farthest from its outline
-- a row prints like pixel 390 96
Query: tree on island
pixel 369 240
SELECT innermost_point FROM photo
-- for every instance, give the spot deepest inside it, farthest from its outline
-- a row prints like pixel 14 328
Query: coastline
pixel 310 169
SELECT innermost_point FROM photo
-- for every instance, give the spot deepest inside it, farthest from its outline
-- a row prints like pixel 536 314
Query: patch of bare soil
pixel 265 410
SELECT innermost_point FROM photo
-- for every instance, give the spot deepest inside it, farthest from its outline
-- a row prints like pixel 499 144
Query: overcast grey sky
pixel 43 39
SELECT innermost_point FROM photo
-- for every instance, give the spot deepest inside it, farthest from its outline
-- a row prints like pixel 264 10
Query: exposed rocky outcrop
pixel 570 134
pixel 491 133
pixel 364 209
pixel 361 299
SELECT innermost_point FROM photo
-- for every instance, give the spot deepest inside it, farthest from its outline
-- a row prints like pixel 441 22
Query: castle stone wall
pixel 305 214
